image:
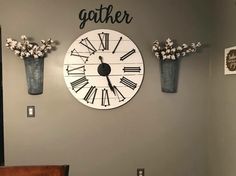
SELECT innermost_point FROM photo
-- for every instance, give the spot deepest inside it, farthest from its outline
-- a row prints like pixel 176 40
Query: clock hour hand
pixel 104 69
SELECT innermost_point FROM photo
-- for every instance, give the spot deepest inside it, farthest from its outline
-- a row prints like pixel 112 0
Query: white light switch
pixel 140 172
pixel 30 111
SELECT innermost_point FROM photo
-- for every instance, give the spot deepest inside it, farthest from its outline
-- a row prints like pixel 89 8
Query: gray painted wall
pixel 164 133
pixel 222 130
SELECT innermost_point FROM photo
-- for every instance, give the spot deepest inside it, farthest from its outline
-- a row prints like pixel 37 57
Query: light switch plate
pixel 30 111
pixel 140 171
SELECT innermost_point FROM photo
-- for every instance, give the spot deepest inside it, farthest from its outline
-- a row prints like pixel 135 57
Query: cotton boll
pixel 185 46
pixel 173 57
pixel 23 37
pixel 179 48
pixel 154 48
pixel 178 55
pixel 157 54
pixel 168 40
pixel 27 54
pixel 9 40
pixel 17 52
pixel 198 44
pixel 173 50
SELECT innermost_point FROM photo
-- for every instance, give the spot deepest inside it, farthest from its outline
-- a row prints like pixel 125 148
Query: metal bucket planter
pixel 169 75
pixel 34 75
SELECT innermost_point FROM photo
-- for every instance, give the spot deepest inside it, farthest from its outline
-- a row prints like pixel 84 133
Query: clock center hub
pixel 104 69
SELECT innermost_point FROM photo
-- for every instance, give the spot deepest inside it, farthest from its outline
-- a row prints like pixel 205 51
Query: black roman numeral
pixel 117 45
pixel 90 95
pixel 75 70
pixel 79 84
pixel 74 52
pixel 128 83
pixel 105 98
pixel 104 38
pixel 119 95
pixel 127 54
pixel 132 69
pixel 86 42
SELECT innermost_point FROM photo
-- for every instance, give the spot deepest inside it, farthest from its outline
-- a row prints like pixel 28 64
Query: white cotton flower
pixel 173 57
pixel 23 37
pixel 168 40
pixel 39 53
pixel 42 47
pixel 36 56
pixel 163 53
pixel 173 50
pixel 156 42
pixel 35 47
pixel 12 48
pixel 168 51
pixel 188 51
pixel 157 55
pixel 9 40
pixel 193 50
pixel 179 48
pixel 184 45
pixel 183 53
pixel 22 54
pixel 17 52
pixel 18 45
pixel 168 56
pixel 31 52
pixel 27 54
pixel 154 48
pixel 177 55
pixel 14 42
pixel 198 44
pixel 26 49
pixel 51 41
pixel 171 44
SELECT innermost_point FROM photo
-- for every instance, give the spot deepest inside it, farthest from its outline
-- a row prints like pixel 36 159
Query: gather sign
pixel 104 15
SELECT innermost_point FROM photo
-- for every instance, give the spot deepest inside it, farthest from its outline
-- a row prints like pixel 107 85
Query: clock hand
pixel 110 85
pixel 100 58
pixel 108 79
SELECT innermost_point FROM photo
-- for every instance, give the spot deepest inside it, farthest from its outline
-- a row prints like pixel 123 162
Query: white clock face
pixel 103 69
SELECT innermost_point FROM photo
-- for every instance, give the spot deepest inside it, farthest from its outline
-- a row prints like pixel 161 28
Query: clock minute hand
pixel 110 85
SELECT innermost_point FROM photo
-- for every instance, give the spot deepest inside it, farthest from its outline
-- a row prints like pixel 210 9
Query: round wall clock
pixel 103 69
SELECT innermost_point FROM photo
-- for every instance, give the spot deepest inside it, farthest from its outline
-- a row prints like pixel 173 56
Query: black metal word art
pixel 104 15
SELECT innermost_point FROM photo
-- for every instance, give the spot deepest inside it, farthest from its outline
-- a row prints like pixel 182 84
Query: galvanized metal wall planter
pixel 34 75
pixel 33 56
pixel 168 54
pixel 169 75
